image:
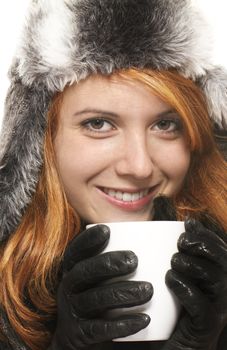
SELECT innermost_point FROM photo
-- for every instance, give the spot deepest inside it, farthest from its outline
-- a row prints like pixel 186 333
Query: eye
pixel 168 125
pixel 97 125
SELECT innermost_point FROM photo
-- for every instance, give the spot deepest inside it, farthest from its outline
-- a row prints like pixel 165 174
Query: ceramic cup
pixel 154 243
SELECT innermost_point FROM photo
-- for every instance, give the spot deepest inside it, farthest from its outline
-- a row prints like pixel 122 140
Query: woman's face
pixel 118 146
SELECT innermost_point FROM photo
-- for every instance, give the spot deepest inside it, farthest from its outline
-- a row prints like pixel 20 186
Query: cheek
pixel 68 158
pixel 175 162
pixel 78 159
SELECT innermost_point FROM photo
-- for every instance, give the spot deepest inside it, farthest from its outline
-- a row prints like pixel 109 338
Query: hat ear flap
pixel 214 87
pixel 20 151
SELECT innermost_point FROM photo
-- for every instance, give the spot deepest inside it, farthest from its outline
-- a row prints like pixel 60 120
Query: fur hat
pixel 65 41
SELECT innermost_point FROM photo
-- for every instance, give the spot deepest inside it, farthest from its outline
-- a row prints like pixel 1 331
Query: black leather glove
pixel 199 280
pixel 82 298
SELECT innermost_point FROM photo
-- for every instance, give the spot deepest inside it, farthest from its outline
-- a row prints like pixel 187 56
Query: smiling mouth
pixel 126 196
pixel 128 199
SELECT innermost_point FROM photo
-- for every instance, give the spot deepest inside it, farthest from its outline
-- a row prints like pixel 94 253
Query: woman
pixel 126 124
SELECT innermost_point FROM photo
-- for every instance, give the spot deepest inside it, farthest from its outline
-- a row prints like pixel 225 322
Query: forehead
pixel 115 93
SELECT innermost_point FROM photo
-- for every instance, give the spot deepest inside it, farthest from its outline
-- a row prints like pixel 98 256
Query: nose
pixel 135 158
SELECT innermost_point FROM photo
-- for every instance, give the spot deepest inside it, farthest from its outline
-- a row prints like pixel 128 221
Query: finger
pixel 99 269
pixel 164 209
pixel 121 294
pixel 197 305
pixel 207 276
pixel 86 244
pixel 199 241
pixel 98 331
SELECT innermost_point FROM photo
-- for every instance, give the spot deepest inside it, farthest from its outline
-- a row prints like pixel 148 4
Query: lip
pixel 130 206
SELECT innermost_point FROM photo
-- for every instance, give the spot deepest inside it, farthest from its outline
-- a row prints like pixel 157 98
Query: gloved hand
pixel 82 298
pixel 199 280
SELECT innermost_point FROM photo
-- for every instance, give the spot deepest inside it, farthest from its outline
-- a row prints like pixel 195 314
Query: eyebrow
pixel 111 114
pixel 90 110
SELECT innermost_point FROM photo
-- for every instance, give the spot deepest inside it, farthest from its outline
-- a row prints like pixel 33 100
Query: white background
pixel 12 13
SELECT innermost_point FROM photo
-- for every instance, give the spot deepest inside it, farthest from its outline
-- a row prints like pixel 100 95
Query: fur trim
pixel 65 41
pixel 214 86
pixel 13 340
pixel 21 151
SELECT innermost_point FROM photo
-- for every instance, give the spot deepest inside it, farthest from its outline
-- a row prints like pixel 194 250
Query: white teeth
pixel 119 195
pixel 141 194
pixel 125 196
pixel 111 193
pixel 135 196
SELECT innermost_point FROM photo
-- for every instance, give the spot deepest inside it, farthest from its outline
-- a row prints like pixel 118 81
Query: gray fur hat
pixel 65 41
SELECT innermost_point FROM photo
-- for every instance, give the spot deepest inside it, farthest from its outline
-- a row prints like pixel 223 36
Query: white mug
pixel 154 243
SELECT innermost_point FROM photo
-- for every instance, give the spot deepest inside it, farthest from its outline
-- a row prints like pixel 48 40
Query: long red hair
pixel 30 260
